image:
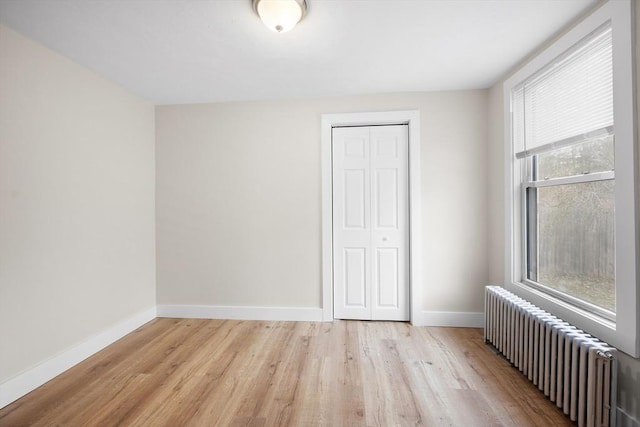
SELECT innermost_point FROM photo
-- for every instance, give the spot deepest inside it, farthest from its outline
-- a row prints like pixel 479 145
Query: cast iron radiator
pixel 572 368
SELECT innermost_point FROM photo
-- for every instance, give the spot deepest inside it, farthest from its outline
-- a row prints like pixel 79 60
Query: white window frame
pixel 624 332
pixel 527 211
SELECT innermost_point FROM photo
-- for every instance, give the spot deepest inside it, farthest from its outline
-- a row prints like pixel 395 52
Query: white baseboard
pixel 625 420
pixel 28 381
pixel 446 318
pixel 241 313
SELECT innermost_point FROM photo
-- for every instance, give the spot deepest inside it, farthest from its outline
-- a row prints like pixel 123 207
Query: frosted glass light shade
pixel 280 15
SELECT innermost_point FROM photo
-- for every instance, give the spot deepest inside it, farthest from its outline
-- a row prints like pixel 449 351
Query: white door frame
pixel 411 118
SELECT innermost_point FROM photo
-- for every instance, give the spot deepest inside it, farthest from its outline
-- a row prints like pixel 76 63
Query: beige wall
pixel 76 204
pixel 239 199
pixel 628 367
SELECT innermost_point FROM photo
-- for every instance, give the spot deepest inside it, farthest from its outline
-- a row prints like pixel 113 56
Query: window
pixel 571 196
pixel 563 116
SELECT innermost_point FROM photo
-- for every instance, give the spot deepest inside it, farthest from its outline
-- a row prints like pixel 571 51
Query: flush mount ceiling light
pixel 280 15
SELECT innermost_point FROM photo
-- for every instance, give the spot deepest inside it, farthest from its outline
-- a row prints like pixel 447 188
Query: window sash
pixel 529 228
pixel 575 179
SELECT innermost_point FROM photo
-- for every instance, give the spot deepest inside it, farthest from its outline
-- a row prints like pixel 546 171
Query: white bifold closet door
pixel 371 222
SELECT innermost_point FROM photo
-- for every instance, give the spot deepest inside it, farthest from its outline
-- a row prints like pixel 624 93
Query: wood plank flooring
pixel 186 372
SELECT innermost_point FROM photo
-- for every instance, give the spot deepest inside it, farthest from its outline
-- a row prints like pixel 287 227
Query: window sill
pixel 602 328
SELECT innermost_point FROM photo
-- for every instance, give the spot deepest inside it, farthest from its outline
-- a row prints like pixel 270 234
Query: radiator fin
pixel 573 369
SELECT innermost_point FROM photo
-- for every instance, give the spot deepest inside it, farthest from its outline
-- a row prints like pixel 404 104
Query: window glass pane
pixel 588 157
pixel 576 252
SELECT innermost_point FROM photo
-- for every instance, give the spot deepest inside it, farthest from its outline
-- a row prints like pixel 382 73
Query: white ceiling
pixel 191 51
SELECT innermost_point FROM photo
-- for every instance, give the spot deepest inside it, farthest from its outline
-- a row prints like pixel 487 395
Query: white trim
pixel 412 118
pixel 302 314
pixel 625 334
pixel 450 319
pixel 574 179
pixel 28 381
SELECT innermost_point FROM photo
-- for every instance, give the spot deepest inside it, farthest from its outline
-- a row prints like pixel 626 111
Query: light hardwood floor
pixel 185 372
